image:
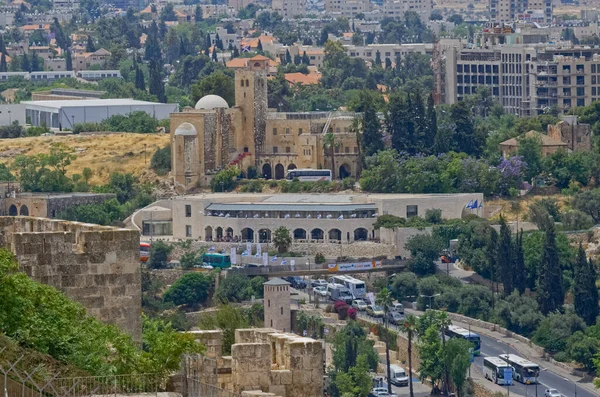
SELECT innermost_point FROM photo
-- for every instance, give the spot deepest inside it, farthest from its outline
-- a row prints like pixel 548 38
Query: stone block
pixel 285 377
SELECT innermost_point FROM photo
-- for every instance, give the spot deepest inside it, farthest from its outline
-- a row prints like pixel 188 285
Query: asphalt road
pixel 547 379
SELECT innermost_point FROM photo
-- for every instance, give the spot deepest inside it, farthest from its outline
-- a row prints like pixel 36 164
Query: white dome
pixel 185 129
pixel 211 102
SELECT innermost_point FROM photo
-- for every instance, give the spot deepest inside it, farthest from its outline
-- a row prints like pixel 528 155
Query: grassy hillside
pixel 104 154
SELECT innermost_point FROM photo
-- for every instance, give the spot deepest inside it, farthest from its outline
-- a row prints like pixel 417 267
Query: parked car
pixel 379 392
pixel 318 283
pixel 320 290
pixel 397 307
pixel 297 282
pixel 552 393
pixel 359 304
pixel 375 311
pixel 395 318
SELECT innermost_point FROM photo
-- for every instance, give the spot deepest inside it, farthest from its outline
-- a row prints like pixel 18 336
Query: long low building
pixel 310 217
pixel 65 114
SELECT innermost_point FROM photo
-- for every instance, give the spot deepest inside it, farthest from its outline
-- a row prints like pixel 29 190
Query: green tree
pixel 224 181
pixel 226 318
pixel 282 239
pixel 217 83
pixel 519 313
pixel 425 250
pixel 155 83
pixel 430 355
pixel 192 289
pixel 159 255
pixel 357 381
pixel 409 326
pixel 467 138
pixel 384 299
pixel 152 46
pixel 554 331
pixel 349 343
pixel 237 288
pixel 3 64
pixel 588 202
pixel 198 14
pixel 69 60
pixel 505 257
pixel 161 160
pixel 329 145
pixel 530 147
pixel 404 286
pixel 140 82
pixel 518 270
pixel 550 280
pixel 585 292
pixel 89 46
pixel 457 359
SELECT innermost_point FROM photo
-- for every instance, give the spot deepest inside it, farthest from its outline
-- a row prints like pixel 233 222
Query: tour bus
pixel 217 260
pixel 309 175
pixel 144 252
pixel 524 370
pixel 457 332
pixel 493 369
pixel 356 287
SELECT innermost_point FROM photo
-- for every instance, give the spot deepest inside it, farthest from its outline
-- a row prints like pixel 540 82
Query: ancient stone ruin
pixel 97 266
pixel 264 360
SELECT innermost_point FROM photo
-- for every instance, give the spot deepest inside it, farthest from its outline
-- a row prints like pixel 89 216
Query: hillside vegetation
pixel 103 154
pixel 41 318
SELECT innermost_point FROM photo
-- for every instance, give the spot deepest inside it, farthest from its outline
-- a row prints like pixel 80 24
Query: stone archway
pixel 208 233
pixel 24 211
pixel 317 234
pixel 264 236
pixel 247 234
pixel 361 234
pixel 13 211
pixel 292 166
pixel 266 171
pixel 279 171
pixel 335 234
pixel 299 234
pixel 219 232
pixel 229 232
pixel 345 171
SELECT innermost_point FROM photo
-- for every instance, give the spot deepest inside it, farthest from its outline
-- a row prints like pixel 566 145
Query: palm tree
pixel 444 322
pixel 410 327
pixel 384 299
pixel 329 145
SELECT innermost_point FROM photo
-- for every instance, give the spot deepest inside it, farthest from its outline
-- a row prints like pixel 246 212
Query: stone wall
pixel 96 266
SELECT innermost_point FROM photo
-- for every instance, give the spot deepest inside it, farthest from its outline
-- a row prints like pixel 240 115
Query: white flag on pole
pixel 265 257
pixel 292 263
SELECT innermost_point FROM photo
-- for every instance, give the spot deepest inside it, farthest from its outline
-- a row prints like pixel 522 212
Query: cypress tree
pixel 140 83
pixel 372 141
pixel 505 257
pixel 3 65
pixel 305 58
pixel 288 56
pixel 491 250
pixel 35 63
pixel 259 47
pixel 550 283
pixel 585 292
pixel 198 14
pixel 214 54
pixel 297 59
pixel 152 52
pixel 90 47
pixel 69 60
pixel 208 42
pixel 431 131
pixel 377 59
pixel 519 277
pixel 25 66
pixel 236 52
pixel 155 83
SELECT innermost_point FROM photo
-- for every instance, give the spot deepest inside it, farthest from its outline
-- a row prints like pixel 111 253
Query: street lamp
pixel 430 299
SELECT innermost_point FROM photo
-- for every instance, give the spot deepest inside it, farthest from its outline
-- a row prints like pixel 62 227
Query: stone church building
pixel 212 136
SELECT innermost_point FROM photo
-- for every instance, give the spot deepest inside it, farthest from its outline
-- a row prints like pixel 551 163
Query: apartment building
pixel 289 8
pixel 521 10
pixel 348 9
pixel 527 80
pixel 397 8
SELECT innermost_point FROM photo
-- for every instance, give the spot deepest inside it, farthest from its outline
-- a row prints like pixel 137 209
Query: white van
pixel 398 375
pixel 397 308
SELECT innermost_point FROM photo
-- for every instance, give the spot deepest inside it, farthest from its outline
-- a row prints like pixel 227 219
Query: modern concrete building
pixel 11 113
pixel 523 10
pixel 289 8
pixel 316 218
pixel 277 305
pixel 65 114
pixel 526 79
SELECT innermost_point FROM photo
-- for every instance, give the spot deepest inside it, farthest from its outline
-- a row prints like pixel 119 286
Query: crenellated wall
pixel 97 266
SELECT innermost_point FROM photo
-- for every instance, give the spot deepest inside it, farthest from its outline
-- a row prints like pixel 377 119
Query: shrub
pixel 329 308
pixel 343 312
pixel 576 220
pixel 161 160
pixel 88 127
pixel 192 290
pixel 159 255
pixel 433 215
pixel 352 313
pixel 338 305
pixel 252 173
pixel 319 258
pixel 254 186
pixel 224 181
pixel 348 183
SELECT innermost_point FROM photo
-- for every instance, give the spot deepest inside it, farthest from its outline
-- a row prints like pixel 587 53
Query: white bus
pixel 356 286
pixel 309 175
pixel 493 369
pixel 457 332
pixel 525 370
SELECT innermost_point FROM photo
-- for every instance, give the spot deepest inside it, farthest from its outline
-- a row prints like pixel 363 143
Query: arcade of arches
pixel 278 171
pixel 301 235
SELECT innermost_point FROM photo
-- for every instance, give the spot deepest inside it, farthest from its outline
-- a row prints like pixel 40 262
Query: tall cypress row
pixel 585 293
pixel 551 295
pixel 505 257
